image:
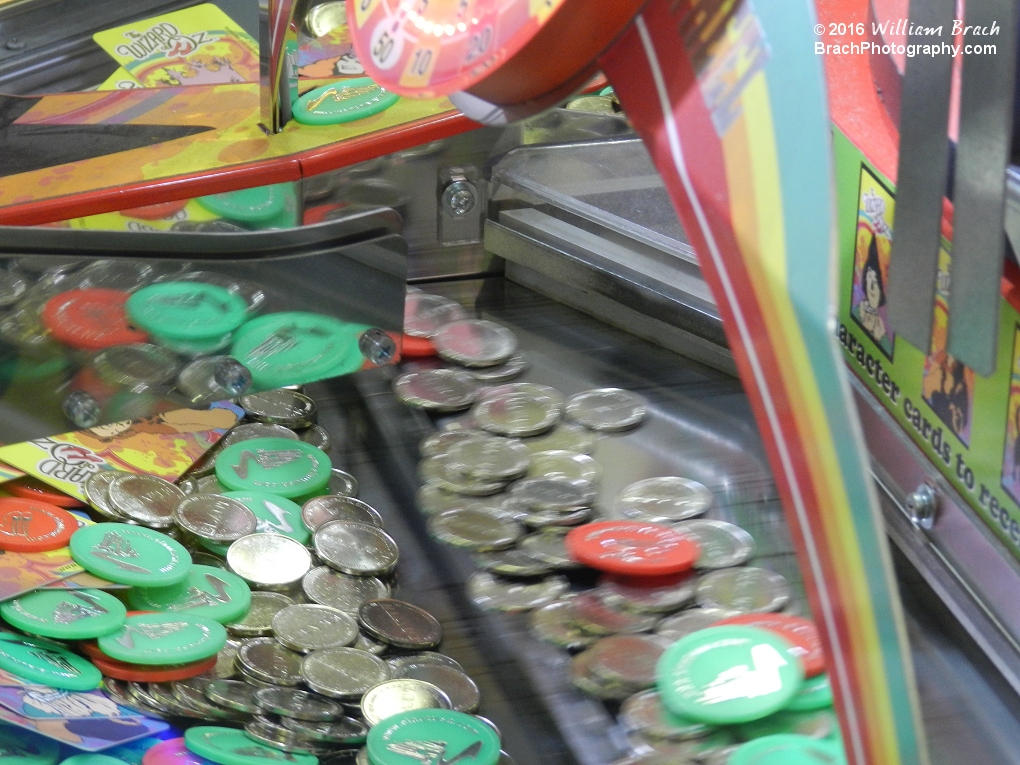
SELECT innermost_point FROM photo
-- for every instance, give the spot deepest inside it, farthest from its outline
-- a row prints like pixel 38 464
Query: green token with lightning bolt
pixel 433 735
pixel 208 591
pixel 132 555
pixel 164 639
pixel 276 465
pixel 65 614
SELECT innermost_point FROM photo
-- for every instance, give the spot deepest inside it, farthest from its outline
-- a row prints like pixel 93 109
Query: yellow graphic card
pixel 195 46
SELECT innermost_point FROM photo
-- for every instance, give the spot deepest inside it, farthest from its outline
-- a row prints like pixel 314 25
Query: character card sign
pixel 875 210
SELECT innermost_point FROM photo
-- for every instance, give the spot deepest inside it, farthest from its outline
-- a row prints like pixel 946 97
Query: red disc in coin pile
pixel 146 673
pixel 632 548
pixel 415 347
pixel 30 487
pixel 90 319
pixel 801 633
pixel 28 525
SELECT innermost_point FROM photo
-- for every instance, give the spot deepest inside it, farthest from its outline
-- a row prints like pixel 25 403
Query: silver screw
pixel 459 198
pixel 82 409
pixel 922 505
pixel 232 376
pixel 376 346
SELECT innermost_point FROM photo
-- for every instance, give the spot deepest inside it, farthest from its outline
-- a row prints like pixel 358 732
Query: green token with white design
pixel 164 639
pixel 65 614
pixel 39 662
pixel 816 693
pixel 20 747
pixel 132 555
pixel 432 735
pixel 788 749
pixel 229 746
pixel 343 101
pixel 275 465
pixel 730 674
pixel 208 591
pixel 274 515
pixel 186 310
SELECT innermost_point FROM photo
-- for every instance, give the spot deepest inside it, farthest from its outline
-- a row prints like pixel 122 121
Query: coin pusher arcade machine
pixel 561 224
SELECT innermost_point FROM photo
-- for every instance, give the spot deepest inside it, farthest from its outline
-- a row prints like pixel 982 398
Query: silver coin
pixel 424 314
pixel 97 488
pixel 512 562
pixel 495 594
pixel 582 677
pixel 299 705
pixel 362 757
pixel 553 493
pixel 516 414
pixel 136 365
pixel 117 692
pixel 232 694
pixel 344 730
pixel 206 464
pixel 628 660
pixel 597 617
pixel 191 693
pixel 534 390
pixel 607 409
pixel 438 390
pixel 343 673
pixel 395 696
pixel 209 485
pixel 459 688
pixel 281 407
pixel 475 342
pixel 666 499
pixel 399 663
pixel 442 442
pixel 560 463
pixel 145 498
pixel 556 623
pixel 269 661
pixel 214 518
pixel 644 713
pixel 658 599
pixel 309 626
pixel 748 590
pixel 549 546
pixel 188 485
pixel 252 430
pixel 327 587
pixel 370 645
pixel 432 499
pixel 212 378
pixel 474 528
pixel 12 287
pixel 722 544
pixel 489 458
pixel 335 507
pixel 439 471
pixel 318 437
pixel 400 624
pixel 356 548
pixel 259 619
pixel 267 732
pixel 342 483
pixel 225 668
pixel 687 622
pixel 123 275
pixel 269 560
pixel 564 437
pixel 513 367
pixel 158 695
pixel 551 518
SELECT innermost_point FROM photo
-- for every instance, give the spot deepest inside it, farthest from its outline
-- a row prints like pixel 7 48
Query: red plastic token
pixel 30 487
pixel 632 548
pixel 145 673
pixel 416 347
pixel 28 525
pixel 90 319
pixel 801 633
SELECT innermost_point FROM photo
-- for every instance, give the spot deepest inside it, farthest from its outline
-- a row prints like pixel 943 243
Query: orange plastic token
pixel 30 487
pixel 144 673
pixel 90 319
pixel 416 347
pixel 632 548
pixel 801 633
pixel 28 525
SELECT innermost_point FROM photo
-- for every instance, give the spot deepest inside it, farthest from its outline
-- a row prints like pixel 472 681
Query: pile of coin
pixel 516 484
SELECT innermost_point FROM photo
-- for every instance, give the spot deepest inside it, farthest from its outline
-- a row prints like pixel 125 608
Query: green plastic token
pixel 817 723
pixel 255 205
pixel 788 749
pixel 92 759
pixel 186 310
pixel 214 547
pixel 39 662
pixel 161 639
pixel 730 674
pixel 296 347
pixel 274 465
pixel 228 746
pixel 275 515
pixel 65 614
pixel 132 555
pixel 440 735
pixel 21 747
pixel 210 592
pixel 816 693
pixel 344 101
